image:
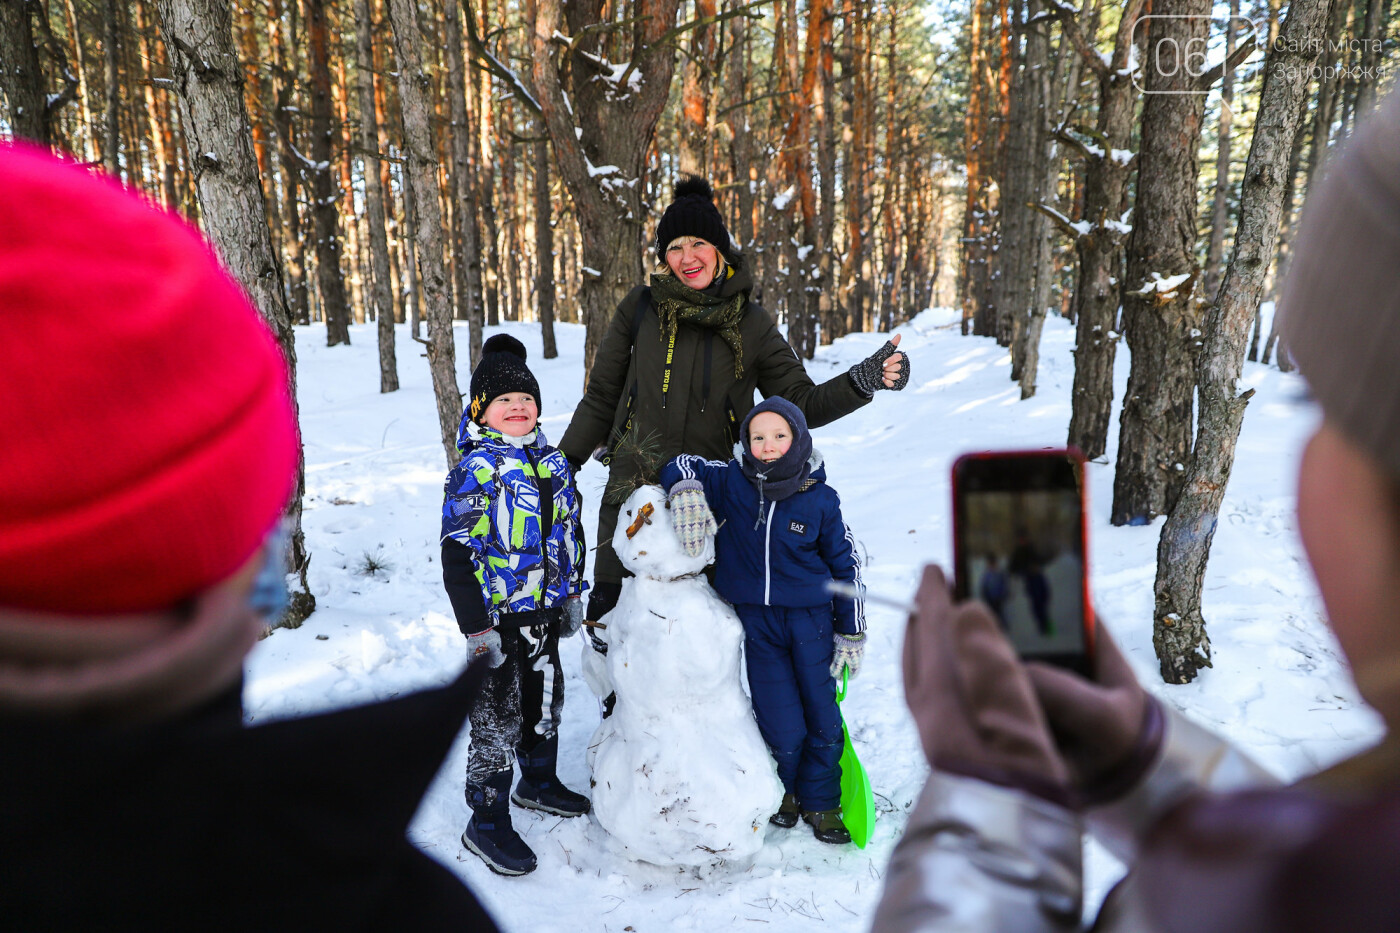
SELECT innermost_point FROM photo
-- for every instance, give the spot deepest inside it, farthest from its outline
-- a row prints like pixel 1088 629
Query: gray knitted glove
pixel 868 376
pixel 570 617
pixel 691 516
pixel 485 646
pixel 850 649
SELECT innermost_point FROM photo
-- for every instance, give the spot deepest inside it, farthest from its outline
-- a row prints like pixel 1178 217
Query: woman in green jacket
pixel 677 370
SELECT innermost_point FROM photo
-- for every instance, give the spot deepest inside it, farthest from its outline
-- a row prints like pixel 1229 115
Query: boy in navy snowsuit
pixel 512 563
pixel 781 538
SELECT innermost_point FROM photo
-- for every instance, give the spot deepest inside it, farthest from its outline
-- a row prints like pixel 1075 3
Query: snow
pixel 600 170
pixel 375 468
pixel 781 201
pixel 1162 285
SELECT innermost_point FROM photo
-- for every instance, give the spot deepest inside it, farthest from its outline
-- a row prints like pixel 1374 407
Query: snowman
pixel 681 775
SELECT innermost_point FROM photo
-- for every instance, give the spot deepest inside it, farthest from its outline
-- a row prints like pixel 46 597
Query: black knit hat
pixel 502 369
pixel 693 213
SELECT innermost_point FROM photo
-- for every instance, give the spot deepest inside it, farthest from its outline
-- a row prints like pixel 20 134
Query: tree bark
pixel 1179 633
pixel 380 291
pixel 209 89
pixel 325 216
pixel 1220 203
pixel 21 77
pixel 111 119
pixel 1097 292
pixel 1161 313
pixel 544 249
pixel 464 209
pixel 601 135
pixel 696 80
pixel 414 96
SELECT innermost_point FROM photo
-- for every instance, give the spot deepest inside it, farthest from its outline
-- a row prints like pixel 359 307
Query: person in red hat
pixel 148 449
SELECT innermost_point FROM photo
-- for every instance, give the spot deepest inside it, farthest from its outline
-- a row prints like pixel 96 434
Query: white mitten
pixel 850 649
pixel 691 516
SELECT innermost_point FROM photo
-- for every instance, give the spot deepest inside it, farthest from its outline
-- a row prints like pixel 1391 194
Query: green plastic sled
pixel 857 799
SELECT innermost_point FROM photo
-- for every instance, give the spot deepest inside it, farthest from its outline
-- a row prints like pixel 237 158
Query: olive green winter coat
pixel 702 405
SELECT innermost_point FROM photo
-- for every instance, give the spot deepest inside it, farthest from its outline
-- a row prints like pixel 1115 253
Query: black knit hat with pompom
pixel 502 369
pixel 693 213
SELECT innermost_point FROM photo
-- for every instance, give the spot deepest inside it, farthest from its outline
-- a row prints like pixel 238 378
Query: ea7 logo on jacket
pixel 798 527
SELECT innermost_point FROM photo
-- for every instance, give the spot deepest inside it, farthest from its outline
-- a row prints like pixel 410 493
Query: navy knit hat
pixel 502 369
pixel 693 213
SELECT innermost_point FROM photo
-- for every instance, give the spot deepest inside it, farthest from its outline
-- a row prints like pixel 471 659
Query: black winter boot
pixel 828 826
pixel 489 834
pixel 787 814
pixel 540 789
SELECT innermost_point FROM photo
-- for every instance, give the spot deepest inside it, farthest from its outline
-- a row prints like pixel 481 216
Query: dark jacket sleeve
pixel 780 373
pixel 463 588
pixel 594 416
pixel 835 546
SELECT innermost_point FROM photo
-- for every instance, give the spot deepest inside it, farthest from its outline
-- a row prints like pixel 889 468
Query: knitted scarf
pixel 782 478
pixel 676 302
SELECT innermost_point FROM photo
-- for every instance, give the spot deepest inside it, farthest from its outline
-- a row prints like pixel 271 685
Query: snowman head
pixel 652 549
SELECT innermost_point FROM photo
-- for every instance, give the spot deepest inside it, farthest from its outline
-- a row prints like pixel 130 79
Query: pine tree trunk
pixel 111 119
pixel 464 209
pixel 21 78
pixel 1179 634
pixel 325 217
pixel 1220 203
pixel 383 298
pixel 1161 311
pixel 696 79
pixel 1097 292
pixel 544 248
pixel 421 155
pixel 600 139
pixel 209 90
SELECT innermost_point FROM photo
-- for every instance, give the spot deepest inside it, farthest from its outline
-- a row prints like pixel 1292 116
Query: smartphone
pixel 1019 545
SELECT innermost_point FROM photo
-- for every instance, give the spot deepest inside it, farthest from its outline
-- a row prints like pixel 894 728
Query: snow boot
pixel 786 817
pixel 827 826
pixel 540 789
pixel 489 834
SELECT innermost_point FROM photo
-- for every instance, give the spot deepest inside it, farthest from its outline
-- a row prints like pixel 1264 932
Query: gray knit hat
pixel 1340 303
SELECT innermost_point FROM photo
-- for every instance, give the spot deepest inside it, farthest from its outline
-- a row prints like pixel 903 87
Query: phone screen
pixel 1020 549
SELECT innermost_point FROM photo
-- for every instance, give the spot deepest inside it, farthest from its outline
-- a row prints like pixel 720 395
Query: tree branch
pixel 1059 219
pixel 483 59
pixel 1207 79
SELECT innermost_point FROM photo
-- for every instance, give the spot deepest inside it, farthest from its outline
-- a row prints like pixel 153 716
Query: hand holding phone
pixel 1019 545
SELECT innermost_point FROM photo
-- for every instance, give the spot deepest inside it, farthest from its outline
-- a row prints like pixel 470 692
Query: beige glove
pixel 972 701
pixel 1108 729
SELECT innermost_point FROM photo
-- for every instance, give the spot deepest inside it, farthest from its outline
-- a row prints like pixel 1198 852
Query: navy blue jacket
pixel 788 559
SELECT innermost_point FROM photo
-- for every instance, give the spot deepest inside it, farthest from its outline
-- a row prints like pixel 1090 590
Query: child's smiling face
pixel 513 414
pixel 770 436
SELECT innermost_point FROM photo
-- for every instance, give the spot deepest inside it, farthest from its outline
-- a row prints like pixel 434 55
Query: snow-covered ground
pixel 374 471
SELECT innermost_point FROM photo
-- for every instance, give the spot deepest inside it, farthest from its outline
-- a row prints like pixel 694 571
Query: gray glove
pixel 868 376
pixel 570 617
pixel 1108 729
pixel 485 646
pixel 971 697
pixel 691 516
pixel 850 649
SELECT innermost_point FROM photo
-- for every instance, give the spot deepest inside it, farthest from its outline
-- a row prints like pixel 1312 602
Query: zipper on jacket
pixel 768 554
pixel 705 381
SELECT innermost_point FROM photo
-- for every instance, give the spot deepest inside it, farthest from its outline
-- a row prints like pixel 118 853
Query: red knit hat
pixel 147 440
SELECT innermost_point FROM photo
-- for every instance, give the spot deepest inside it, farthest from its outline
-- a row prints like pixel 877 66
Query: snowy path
pixel 374 480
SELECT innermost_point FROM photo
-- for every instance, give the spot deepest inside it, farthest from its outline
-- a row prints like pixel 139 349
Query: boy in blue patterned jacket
pixel 781 539
pixel 512 562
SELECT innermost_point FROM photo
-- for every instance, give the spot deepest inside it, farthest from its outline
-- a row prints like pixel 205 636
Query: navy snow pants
pixel 788 652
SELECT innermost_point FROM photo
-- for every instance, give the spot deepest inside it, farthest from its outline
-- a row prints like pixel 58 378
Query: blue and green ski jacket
pixel 527 557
